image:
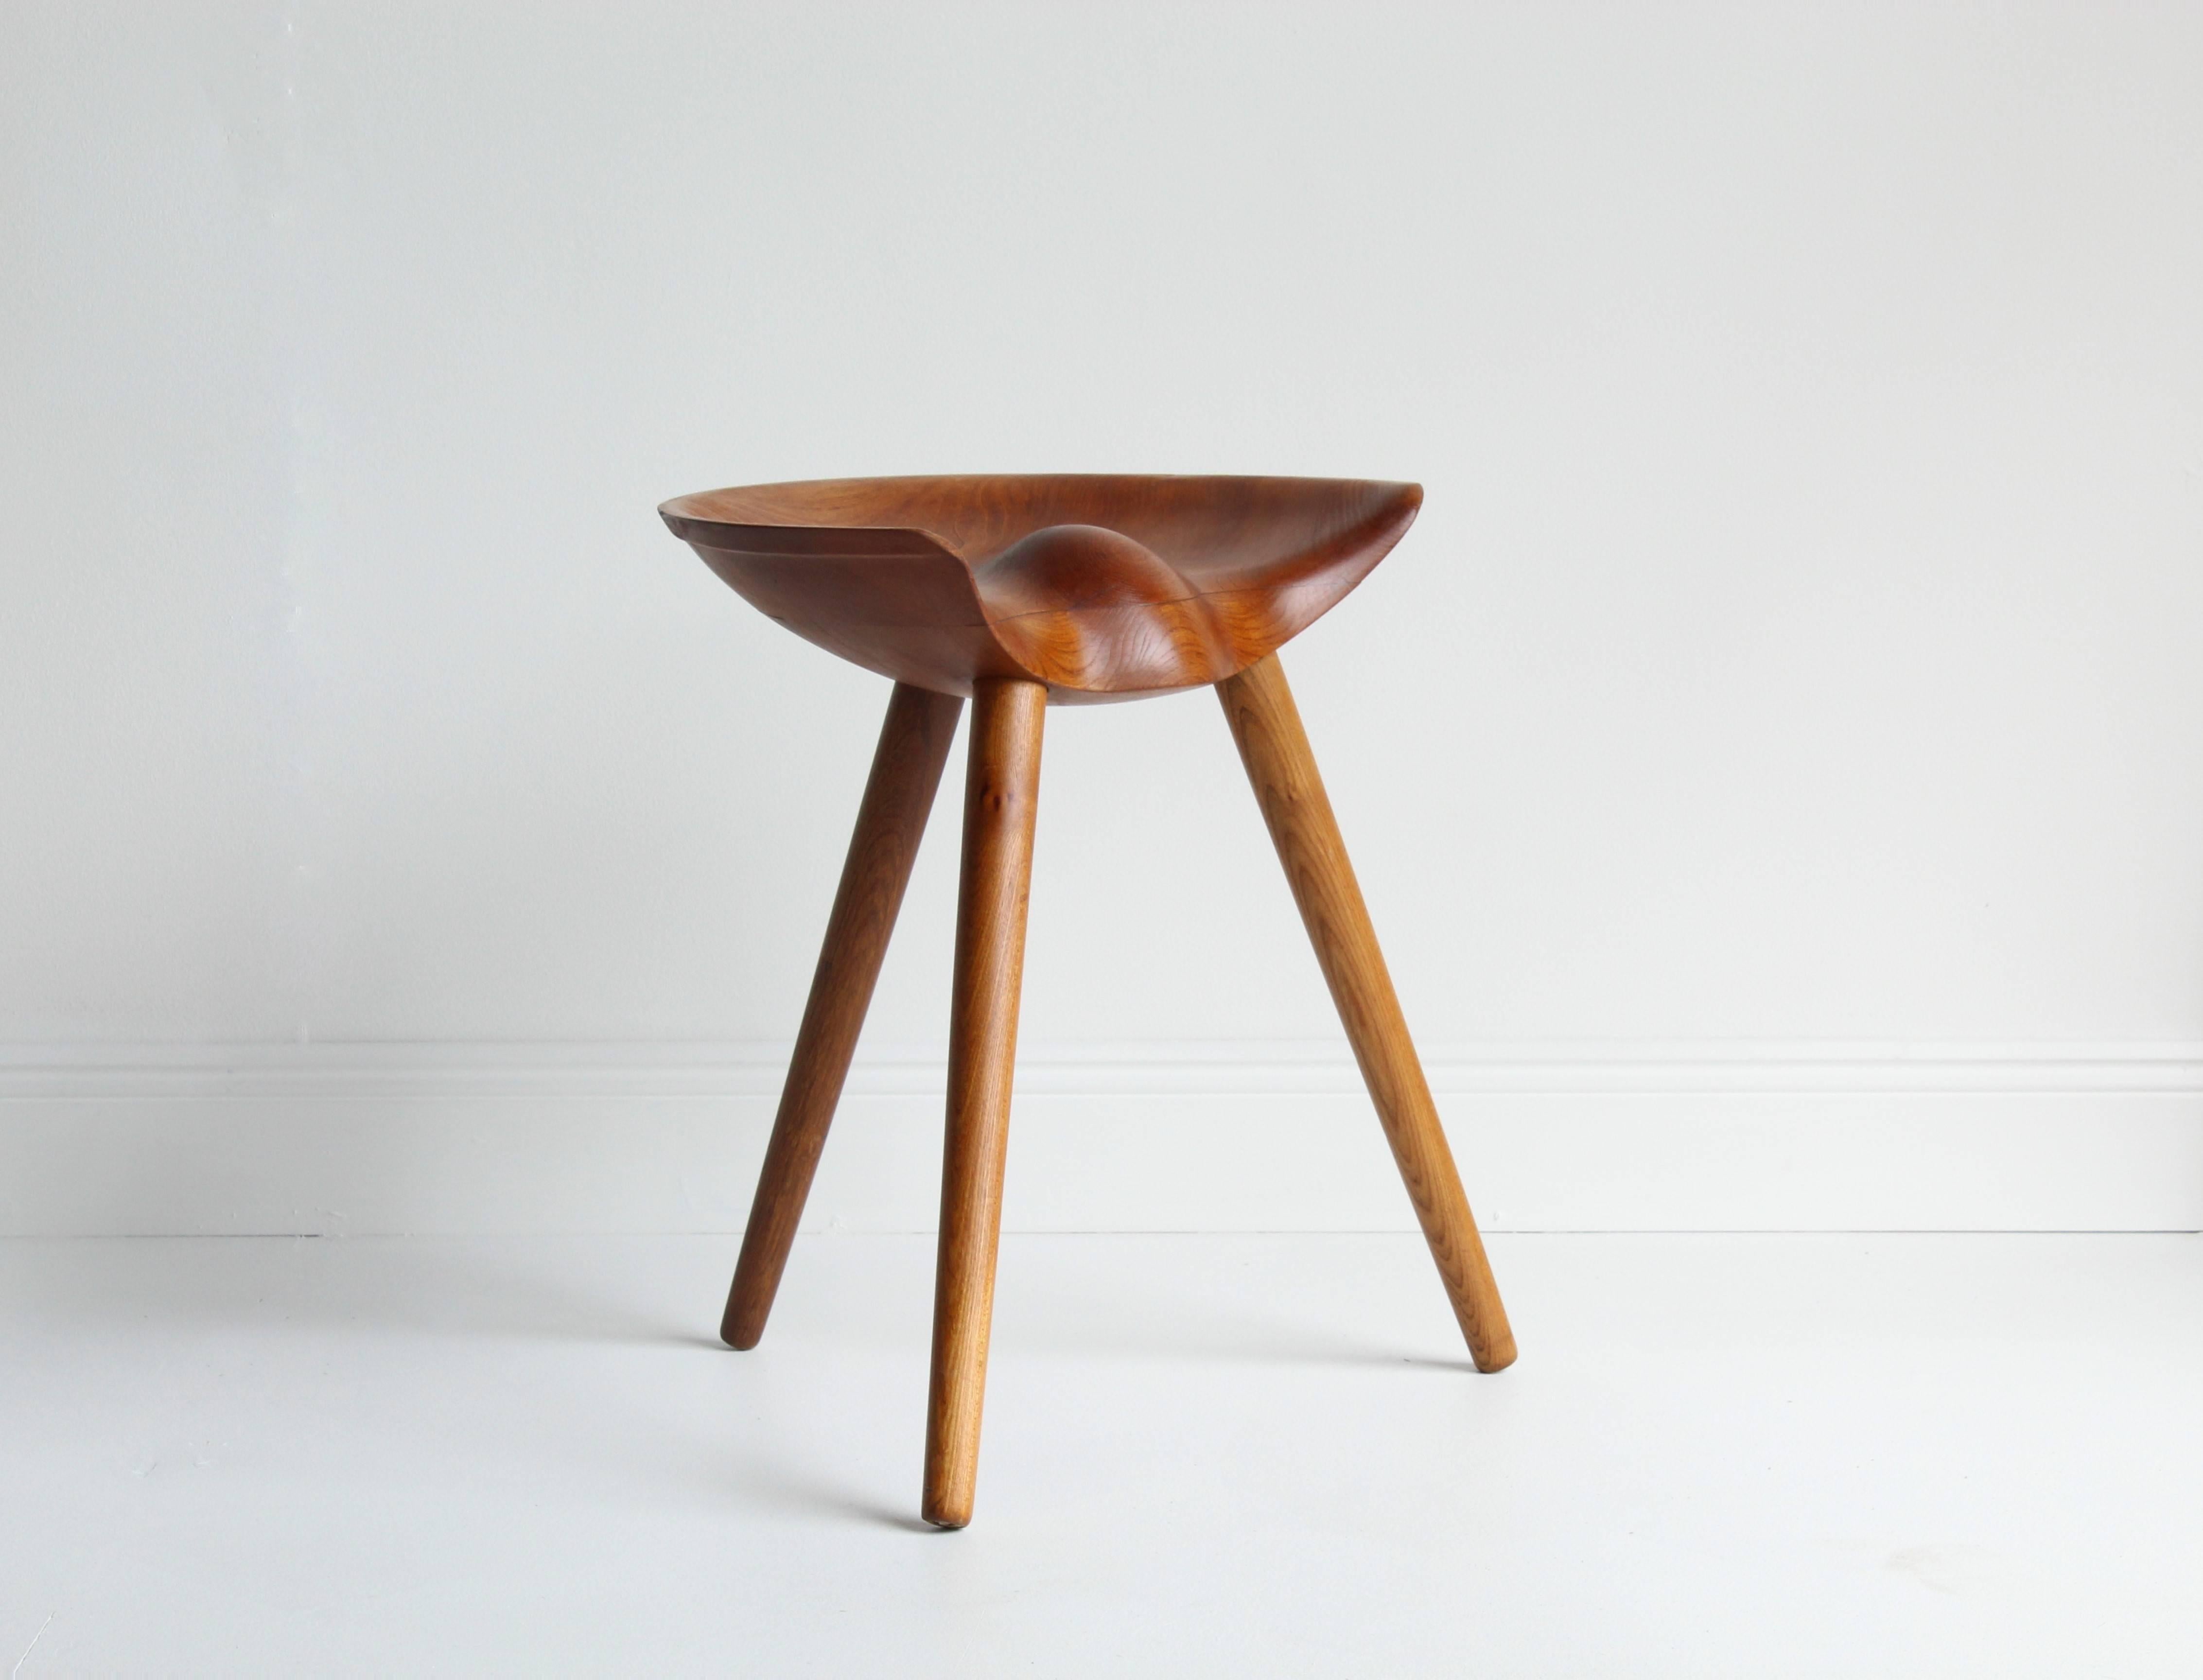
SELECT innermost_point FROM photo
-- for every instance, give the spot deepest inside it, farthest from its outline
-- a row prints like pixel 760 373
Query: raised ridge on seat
pixel 1102 587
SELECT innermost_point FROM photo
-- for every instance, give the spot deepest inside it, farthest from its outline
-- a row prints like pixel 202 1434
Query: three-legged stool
pixel 1021 592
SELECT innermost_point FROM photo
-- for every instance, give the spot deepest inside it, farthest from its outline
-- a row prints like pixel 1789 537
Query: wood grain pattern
pixel 1100 586
pixel 906 766
pixel 1000 799
pixel 1273 746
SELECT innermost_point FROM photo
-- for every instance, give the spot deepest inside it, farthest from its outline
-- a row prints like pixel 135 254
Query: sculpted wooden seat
pixel 1016 592
pixel 1100 587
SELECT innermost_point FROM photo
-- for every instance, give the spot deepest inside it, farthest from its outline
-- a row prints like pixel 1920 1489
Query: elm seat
pixel 1015 592
pixel 1103 588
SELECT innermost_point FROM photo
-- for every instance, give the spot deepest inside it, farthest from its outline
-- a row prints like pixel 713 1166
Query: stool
pixel 1020 592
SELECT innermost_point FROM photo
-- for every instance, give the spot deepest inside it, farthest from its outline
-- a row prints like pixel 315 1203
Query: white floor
pixel 1752 1455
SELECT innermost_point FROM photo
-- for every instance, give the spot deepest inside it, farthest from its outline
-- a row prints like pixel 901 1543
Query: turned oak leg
pixel 905 773
pixel 1267 727
pixel 1000 794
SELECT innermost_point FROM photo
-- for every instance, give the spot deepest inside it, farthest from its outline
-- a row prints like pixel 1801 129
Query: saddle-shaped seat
pixel 1100 587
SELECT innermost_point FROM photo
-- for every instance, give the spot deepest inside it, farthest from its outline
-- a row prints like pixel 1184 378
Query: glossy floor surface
pixel 1745 1455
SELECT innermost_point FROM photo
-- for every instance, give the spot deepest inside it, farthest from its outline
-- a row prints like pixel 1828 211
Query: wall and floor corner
pixel 1786 813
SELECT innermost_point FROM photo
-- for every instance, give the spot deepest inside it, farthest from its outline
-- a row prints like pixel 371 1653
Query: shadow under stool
pixel 1020 592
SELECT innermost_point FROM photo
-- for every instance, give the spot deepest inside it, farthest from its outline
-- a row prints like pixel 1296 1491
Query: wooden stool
pixel 1021 592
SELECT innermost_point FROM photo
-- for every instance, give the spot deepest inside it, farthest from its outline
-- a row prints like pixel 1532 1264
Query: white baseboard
pixel 124 1139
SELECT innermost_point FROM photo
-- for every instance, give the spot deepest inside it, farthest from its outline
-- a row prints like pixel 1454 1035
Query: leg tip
pixel 1494 1356
pixel 740 1337
pixel 946 1507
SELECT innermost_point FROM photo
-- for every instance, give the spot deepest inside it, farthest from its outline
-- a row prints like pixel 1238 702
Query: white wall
pixel 1795 664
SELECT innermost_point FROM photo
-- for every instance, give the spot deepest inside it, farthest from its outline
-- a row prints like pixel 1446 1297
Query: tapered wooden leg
pixel 1274 748
pixel 1000 797
pixel 906 773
